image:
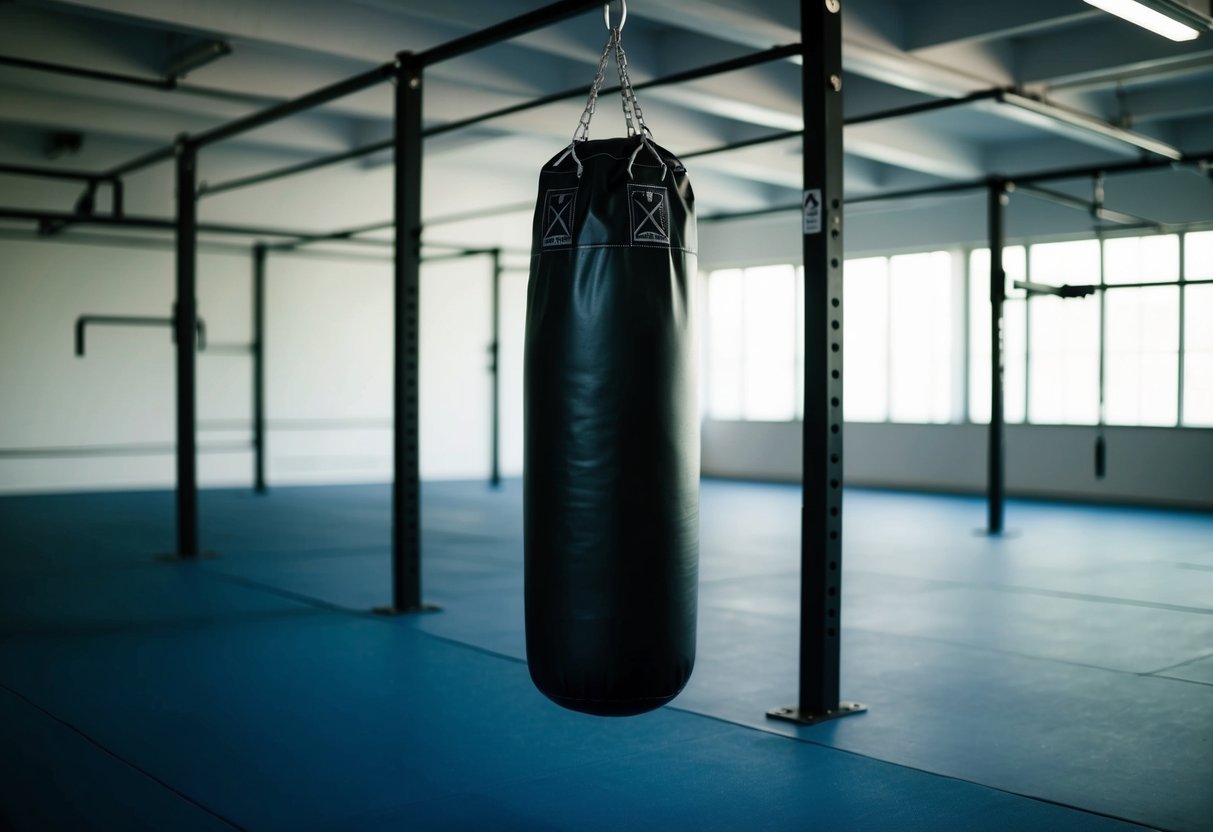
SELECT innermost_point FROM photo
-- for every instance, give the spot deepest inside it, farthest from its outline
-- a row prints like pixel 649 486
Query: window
pixel 865 396
pixel 897 345
pixel 1015 336
pixel 769 368
pixel 725 344
pixel 1198 331
pixel 1063 336
pixel 751 348
pixel 903 314
pixel 1141 331
pixel 920 337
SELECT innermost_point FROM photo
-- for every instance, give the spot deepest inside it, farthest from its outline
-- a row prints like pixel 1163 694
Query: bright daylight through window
pixel 917 336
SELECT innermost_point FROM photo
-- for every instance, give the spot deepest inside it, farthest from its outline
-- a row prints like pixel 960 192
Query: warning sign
pixel 650 214
pixel 812 211
pixel 558 217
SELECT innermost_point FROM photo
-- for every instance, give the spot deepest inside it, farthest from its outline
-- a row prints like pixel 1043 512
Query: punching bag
pixel 611 422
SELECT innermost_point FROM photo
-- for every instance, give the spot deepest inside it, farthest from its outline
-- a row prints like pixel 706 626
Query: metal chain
pixel 632 114
pixel 629 93
pixel 629 114
pixel 582 133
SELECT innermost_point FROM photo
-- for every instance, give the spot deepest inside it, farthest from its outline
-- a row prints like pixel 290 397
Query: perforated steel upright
pixel 259 257
pixel 996 465
pixel 185 319
pixel 406 488
pixel 821 512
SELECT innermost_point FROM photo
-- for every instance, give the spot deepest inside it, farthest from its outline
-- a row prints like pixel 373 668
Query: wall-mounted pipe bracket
pixel 85 321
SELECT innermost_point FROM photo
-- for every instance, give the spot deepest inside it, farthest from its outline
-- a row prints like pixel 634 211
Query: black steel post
pixel 821 512
pixel 495 374
pixel 186 317
pixel 406 478
pixel 996 465
pixel 259 256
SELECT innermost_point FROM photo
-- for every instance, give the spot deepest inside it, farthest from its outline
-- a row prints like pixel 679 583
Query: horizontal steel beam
pixel 52 173
pixel 1064 291
pixel 721 67
pixel 505 30
pixel 94 74
pixel 297 105
pixel 131 449
pixel 924 107
pixel 155 223
pixel 775 53
pixel 1096 210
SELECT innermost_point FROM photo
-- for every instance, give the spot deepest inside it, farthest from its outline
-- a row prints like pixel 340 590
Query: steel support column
pixel 996 464
pixel 259 256
pixel 821 512
pixel 406 480
pixel 186 320
pixel 495 375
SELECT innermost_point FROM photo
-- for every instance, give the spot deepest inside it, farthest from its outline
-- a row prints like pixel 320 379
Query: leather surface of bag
pixel 612 427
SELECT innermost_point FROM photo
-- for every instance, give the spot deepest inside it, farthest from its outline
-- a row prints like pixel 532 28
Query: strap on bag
pixel 633 116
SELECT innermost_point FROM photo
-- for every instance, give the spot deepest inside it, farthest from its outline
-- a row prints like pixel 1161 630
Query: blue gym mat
pixel 1068 665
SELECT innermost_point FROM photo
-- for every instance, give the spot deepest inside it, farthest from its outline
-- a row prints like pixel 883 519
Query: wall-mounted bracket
pixel 85 321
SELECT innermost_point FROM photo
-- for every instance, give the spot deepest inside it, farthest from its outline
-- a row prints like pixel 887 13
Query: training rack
pixel 821 218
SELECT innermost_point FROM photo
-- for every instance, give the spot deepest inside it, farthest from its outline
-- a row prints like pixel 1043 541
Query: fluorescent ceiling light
pixel 1163 17
pixel 1090 125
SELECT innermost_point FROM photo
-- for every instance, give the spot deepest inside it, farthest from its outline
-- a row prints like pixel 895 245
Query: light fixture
pixel 1082 123
pixel 1172 19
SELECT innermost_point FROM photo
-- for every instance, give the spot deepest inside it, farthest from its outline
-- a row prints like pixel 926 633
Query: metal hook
pixel 623 15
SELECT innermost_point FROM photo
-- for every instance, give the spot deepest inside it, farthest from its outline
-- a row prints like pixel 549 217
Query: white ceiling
pixel 896 52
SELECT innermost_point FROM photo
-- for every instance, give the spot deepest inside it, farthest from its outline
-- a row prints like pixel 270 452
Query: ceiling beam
pixel 943 22
pixel 1065 58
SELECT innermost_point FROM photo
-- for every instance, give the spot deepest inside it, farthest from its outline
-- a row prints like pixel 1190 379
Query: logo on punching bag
pixel 558 216
pixel 650 214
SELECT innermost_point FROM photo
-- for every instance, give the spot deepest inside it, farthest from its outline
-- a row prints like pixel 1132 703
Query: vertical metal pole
pixel 186 323
pixel 1182 357
pixel 259 256
pixel 406 478
pixel 996 470
pixel 1101 440
pixel 821 513
pixel 495 371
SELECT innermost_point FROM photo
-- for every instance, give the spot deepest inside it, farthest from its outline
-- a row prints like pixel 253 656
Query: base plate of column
pixel 792 713
pixel 172 557
pixel 424 608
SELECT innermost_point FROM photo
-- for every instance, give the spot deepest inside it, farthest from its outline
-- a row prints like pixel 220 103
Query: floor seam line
pixel 952 777
pixel 119 758
pixel 1178 665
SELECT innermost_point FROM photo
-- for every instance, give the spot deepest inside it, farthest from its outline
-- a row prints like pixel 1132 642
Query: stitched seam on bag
pixel 638 163
pixel 555 249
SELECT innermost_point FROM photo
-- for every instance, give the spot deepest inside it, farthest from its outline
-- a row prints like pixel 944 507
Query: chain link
pixel 633 116
pixel 629 94
pixel 582 133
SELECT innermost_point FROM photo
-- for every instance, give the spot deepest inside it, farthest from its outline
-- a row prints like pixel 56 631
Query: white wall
pixel 328 365
pixel 1144 465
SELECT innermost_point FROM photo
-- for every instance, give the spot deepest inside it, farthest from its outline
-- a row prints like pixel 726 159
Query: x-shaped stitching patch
pixel 558 218
pixel 650 217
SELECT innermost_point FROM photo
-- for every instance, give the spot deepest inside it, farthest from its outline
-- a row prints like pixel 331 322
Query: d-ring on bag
pixel 612 422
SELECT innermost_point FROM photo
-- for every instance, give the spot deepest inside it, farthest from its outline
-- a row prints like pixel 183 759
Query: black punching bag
pixel 612 423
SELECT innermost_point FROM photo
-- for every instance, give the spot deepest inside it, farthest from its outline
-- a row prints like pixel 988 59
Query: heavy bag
pixel 611 423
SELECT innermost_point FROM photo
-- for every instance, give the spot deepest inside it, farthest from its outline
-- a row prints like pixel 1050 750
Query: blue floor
pixel 1058 679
